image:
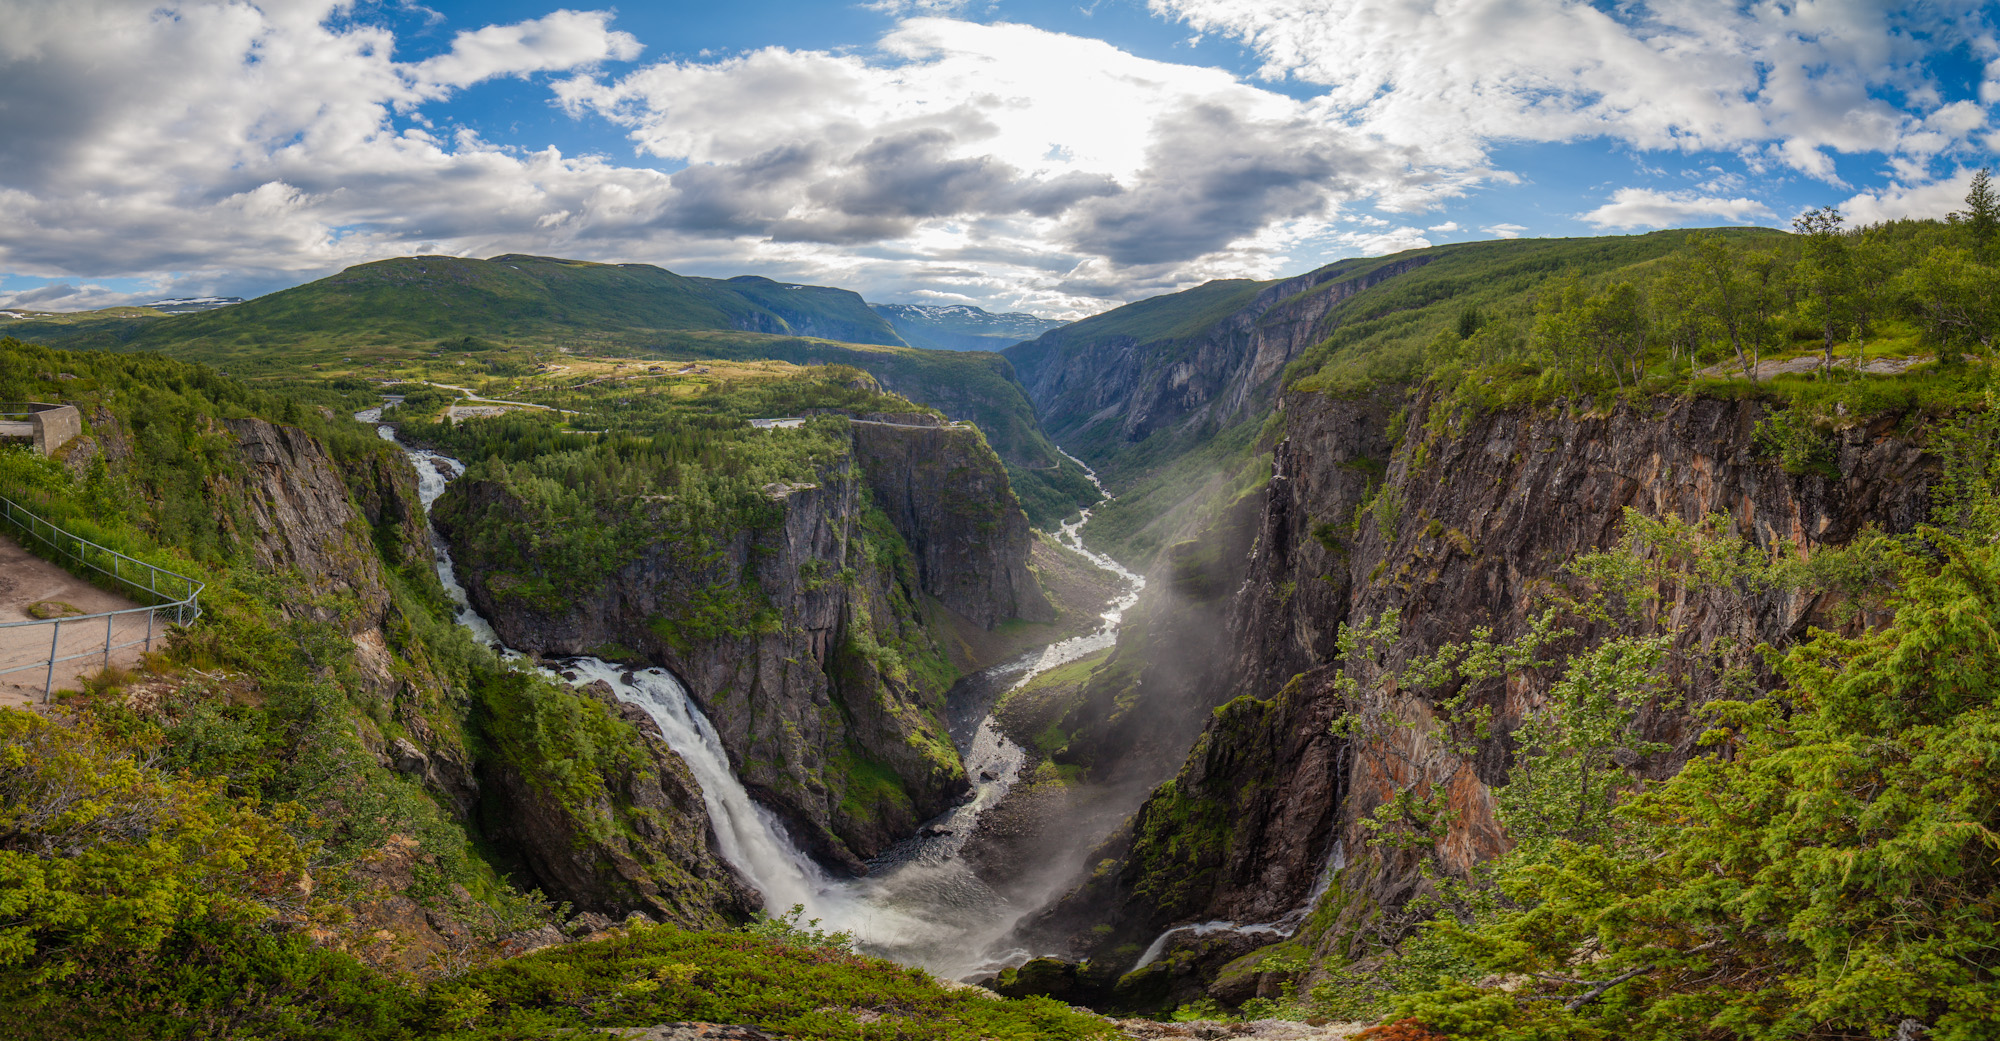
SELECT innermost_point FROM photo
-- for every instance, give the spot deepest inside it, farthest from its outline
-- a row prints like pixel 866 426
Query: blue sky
pixel 1032 155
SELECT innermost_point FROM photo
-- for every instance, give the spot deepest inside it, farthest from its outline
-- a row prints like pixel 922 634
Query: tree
pixel 1951 296
pixel 1824 276
pixel 1733 292
pixel 1981 215
pixel 1828 871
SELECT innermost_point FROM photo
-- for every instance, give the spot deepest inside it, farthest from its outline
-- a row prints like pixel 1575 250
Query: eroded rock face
pixel 664 866
pixel 913 533
pixel 299 518
pixel 1222 376
pixel 1488 510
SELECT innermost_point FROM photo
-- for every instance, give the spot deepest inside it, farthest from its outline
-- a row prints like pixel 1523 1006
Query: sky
pixel 1053 157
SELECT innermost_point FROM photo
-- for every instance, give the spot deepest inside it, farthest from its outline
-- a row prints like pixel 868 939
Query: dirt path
pixel 26 579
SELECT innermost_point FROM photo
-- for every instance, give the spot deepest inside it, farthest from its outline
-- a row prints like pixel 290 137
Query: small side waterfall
pixel 921 905
pixel 1336 859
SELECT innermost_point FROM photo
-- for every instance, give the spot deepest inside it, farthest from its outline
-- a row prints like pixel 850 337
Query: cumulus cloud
pixel 1646 208
pixel 1006 149
pixel 1784 83
pixel 1504 231
pixel 560 41
pixel 206 139
pixel 1932 200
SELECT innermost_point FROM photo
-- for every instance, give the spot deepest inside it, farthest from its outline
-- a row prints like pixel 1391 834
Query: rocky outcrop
pixel 1473 516
pixel 812 641
pixel 333 526
pixel 954 508
pixel 297 518
pixel 641 842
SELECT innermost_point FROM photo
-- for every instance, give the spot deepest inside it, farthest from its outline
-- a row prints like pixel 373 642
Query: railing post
pixel 107 638
pixel 55 641
pixel 149 628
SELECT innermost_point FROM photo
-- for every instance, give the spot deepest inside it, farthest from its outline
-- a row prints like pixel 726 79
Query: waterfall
pixel 1336 859
pixel 921 905
pixel 747 834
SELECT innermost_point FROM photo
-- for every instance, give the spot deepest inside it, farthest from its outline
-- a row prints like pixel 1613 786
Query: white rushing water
pixel 920 904
pixel 1336 859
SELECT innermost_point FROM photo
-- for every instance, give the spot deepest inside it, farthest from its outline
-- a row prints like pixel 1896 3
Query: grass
pixel 658 974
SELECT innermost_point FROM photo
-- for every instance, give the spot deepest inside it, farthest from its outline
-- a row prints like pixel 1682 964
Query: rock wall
pixel 953 506
pixel 1223 375
pixel 300 519
pixel 830 703
pixel 665 865
pixel 1488 510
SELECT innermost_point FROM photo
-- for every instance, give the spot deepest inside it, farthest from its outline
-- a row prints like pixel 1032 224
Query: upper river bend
pixel 920 904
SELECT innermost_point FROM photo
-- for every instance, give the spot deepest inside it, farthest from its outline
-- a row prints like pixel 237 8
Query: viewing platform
pixel 46 426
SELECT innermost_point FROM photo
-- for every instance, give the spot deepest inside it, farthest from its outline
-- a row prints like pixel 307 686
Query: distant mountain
pixel 191 304
pixel 510 299
pixel 523 298
pixel 962 327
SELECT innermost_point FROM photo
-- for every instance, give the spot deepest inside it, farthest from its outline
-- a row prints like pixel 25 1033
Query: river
pixel 920 904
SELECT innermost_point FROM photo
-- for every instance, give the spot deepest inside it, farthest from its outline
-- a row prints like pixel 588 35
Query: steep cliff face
pixel 640 842
pixel 634 837
pixel 954 509
pixel 811 642
pixel 1471 517
pixel 1125 376
pixel 300 519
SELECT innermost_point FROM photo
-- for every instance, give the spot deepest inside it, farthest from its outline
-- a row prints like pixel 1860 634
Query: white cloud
pixel 563 40
pixel 1646 208
pixel 1504 231
pixel 1799 80
pixel 1029 169
pixel 1054 161
pixel 1932 200
pixel 1382 243
pixel 239 146
pixel 258 143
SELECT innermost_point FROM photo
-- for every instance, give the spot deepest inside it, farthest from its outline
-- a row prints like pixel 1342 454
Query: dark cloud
pixel 1212 178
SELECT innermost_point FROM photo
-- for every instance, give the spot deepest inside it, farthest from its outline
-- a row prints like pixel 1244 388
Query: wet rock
pixel 407 758
pixel 587 923
pixel 1038 977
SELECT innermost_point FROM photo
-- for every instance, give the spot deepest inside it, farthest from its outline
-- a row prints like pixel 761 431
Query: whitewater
pixel 920 904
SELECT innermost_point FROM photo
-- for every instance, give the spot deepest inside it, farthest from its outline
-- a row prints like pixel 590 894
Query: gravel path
pixel 26 579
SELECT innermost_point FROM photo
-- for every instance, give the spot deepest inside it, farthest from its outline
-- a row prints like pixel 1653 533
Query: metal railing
pixel 175 596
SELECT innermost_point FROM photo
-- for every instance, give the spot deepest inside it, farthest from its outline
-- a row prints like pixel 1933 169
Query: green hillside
pixel 514 297
pixel 515 317
pixel 822 311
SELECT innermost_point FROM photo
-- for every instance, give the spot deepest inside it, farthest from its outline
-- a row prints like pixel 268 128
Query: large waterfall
pixel 920 905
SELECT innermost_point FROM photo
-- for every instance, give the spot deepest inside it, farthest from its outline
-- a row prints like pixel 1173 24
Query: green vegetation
pixel 212 847
pixel 543 503
pixel 1837 322
pixel 512 298
pixel 1823 869
pixel 514 325
pixel 788 978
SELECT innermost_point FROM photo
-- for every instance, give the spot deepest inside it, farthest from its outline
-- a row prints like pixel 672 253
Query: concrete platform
pixel 27 579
